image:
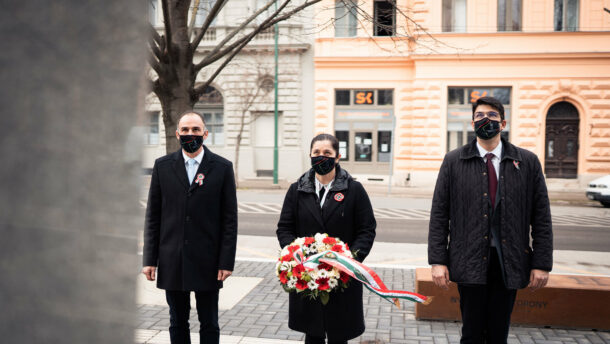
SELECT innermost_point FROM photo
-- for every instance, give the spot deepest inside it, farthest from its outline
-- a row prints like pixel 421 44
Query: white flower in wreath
pixel 319 237
pixel 285 266
pixel 313 248
pixel 292 283
pixel 299 241
pixel 322 273
pixel 334 273
pixel 312 285
pixel 313 274
pixel 332 282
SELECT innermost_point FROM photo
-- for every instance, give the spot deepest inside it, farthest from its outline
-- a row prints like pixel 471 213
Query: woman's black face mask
pixel 323 164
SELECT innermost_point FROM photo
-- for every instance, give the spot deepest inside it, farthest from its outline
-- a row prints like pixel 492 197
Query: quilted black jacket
pixel 459 219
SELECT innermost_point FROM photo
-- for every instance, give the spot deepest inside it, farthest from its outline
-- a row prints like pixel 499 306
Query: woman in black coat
pixel 327 200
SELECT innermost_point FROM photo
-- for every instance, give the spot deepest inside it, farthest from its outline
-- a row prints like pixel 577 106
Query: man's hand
pixel 223 274
pixel 538 279
pixel 440 276
pixel 149 272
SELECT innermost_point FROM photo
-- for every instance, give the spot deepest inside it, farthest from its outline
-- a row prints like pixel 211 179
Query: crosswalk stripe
pixel 416 214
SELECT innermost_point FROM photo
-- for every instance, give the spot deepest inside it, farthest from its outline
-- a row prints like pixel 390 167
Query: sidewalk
pixel 559 194
pixel 254 309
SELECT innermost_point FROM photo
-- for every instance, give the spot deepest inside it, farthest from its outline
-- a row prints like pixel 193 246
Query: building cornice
pixel 362 62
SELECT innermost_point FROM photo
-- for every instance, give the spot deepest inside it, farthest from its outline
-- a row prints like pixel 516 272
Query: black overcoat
pixel 351 219
pixel 191 229
pixel 459 233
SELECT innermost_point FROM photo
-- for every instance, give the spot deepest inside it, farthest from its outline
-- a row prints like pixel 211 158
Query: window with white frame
pixel 459 112
pixel 509 15
pixel 384 12
pixel 152 128
pixel 210 105
pixel 454 15
pixel 566 15
pixel 345 18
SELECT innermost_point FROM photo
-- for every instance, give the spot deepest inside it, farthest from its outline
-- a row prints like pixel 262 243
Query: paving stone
pixel 263 313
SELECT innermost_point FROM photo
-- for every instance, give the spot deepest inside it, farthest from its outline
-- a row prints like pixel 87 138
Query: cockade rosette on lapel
pixel 316 266
pixel 300 270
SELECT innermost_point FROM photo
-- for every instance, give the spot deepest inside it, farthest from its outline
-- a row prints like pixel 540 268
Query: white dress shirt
pixel 319 187
pixel 497 152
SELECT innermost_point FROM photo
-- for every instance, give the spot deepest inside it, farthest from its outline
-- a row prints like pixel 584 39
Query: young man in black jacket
pixel 490 197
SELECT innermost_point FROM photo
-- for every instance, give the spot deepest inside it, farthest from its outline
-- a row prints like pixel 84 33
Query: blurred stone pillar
pixel 71 76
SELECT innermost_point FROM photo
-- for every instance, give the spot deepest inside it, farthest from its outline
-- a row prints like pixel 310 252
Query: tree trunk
pixel 176 97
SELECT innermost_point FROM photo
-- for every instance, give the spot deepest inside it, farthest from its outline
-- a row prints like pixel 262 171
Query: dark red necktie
pixel 492 178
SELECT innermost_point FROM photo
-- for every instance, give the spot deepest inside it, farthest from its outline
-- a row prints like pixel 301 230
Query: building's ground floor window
pixel 459 112
pixel 215 125
pixel 152 129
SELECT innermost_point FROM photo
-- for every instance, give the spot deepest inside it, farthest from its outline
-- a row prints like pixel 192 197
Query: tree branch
pixel 155 35
pixel 233 33
pixel 154 63
pixel 208 21
pixel 168 29
pixel 269 22
pixel 189 29
pixel 155 49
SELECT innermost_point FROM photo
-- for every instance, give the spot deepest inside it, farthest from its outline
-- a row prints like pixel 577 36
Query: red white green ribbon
pixel 359 272
pixel 199 179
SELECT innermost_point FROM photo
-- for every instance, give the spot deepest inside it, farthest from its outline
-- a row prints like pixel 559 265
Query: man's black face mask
pixel 486 128
pixel 191 143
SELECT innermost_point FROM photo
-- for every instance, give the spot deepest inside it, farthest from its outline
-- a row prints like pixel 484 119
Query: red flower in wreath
pixel 301 285
pixel 309 240
pixel 298 270
pixel 344 277
pixel 324 266
pixel 337 248
pixel 322 283
pixel 329 241
pixel 284 277
pixel 293 248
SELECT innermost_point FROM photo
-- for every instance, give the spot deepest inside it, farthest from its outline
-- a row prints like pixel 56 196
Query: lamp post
pixel 275 110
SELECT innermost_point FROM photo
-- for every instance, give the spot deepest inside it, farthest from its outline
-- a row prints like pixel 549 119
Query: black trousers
pixel 179 309
pixel 318 340
pixel 486 309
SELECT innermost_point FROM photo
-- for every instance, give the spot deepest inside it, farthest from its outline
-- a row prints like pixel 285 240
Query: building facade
pixel 239 105
pixel 396 87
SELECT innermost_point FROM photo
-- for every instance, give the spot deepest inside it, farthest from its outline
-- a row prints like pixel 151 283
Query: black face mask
pixel 191 143
pixel 486 128
pixel 322 164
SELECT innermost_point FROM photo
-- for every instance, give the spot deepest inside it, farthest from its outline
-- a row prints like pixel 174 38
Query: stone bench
pixel 567 301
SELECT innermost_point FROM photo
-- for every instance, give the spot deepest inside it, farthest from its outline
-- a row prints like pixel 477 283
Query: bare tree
pixel 172 53
pixel 253 94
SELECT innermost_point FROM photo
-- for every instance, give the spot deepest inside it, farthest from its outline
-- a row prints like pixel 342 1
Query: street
pixel 405 220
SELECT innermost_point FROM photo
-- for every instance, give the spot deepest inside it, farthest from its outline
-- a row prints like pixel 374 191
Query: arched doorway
pixel 561 149
pixel 210 105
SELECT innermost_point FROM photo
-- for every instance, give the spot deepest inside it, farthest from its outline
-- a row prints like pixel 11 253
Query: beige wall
pixel 542 67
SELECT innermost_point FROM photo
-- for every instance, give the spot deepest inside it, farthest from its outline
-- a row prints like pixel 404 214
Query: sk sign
pixel 364 98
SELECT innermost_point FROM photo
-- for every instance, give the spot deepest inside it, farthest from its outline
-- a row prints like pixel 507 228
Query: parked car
pixel 599 190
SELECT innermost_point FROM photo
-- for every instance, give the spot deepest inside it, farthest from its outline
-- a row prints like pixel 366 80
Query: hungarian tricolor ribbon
pixel 359 272
pixel 199 179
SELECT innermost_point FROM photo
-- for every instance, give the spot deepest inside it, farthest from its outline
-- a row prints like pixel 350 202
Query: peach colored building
pixel 399 104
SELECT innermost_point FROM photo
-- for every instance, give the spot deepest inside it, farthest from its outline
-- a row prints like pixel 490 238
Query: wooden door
pixel 561 148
